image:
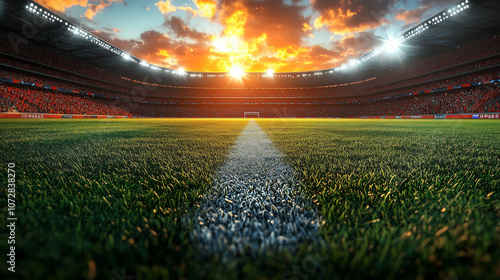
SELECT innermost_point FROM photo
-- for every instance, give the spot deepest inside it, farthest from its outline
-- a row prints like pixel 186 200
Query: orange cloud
pixel 204 8
pixel 252 56
pixel 97 8
pixel 336 21
pixel 412 16
pixel 62 5
pixel 93 9
pixel 236 51
pixel 306 27
pixel 163 53
pixel 289 53
pixel 234 20
pixel 166 6
pixel 254 36
pixel 345 17
pixel 166 59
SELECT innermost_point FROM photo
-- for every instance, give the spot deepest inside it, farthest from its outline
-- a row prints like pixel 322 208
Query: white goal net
pixel 251 115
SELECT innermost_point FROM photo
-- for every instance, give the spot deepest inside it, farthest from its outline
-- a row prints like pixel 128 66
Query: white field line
pixel 255 204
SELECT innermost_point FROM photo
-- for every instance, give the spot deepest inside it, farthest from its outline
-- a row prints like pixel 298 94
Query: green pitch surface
pixel 104 199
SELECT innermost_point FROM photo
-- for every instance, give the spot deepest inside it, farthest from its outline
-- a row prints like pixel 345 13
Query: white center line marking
pixel 255 204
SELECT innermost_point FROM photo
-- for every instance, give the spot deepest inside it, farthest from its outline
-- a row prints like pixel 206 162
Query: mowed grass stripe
pixel 400 199
pixel 108 191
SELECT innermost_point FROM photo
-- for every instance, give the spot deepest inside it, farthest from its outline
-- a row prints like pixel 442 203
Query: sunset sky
pixel 255 35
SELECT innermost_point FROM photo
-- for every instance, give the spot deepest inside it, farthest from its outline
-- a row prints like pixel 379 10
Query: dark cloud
pixel 323 58
pixel 110 37
pixel 362 42
pixel 281 23
pixel 157 48
pixel 178 28
pixel 151 43
pixel 412 17
pixel 355 45
pixel 437 3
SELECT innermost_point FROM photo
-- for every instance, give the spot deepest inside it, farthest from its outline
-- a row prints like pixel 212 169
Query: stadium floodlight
pixel 353 62
pixel 180 71
pixel 236 71
pixel 392 45
pixel 269 73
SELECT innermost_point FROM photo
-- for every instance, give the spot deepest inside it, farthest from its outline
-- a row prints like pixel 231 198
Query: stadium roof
pixel 443 31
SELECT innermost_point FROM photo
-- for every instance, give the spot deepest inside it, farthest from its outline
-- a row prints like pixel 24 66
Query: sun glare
pixel 236 71
pixel 226 44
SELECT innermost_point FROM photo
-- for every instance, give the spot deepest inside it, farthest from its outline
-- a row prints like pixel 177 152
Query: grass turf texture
pixel 414 198
pixel 398 197
pixel 110 192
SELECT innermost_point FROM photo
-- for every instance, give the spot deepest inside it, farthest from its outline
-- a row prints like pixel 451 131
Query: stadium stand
pixel 42 57
pixel 32 100
pixel 36 78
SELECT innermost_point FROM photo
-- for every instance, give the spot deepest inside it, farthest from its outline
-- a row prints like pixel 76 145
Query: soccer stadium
pixel 250 139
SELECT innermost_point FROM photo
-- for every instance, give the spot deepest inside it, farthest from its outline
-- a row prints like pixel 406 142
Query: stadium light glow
pixel 236 71
pixel 269 73
pixel 180 71
pixel 353 62
pixel 392 45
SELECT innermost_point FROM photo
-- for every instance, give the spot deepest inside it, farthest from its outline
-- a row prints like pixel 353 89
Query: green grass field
pixel 99 199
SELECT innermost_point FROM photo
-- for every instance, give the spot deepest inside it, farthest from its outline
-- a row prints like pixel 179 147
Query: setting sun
pixel 236 71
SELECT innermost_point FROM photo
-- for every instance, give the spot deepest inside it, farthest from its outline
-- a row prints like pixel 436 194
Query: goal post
pixel 251 115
